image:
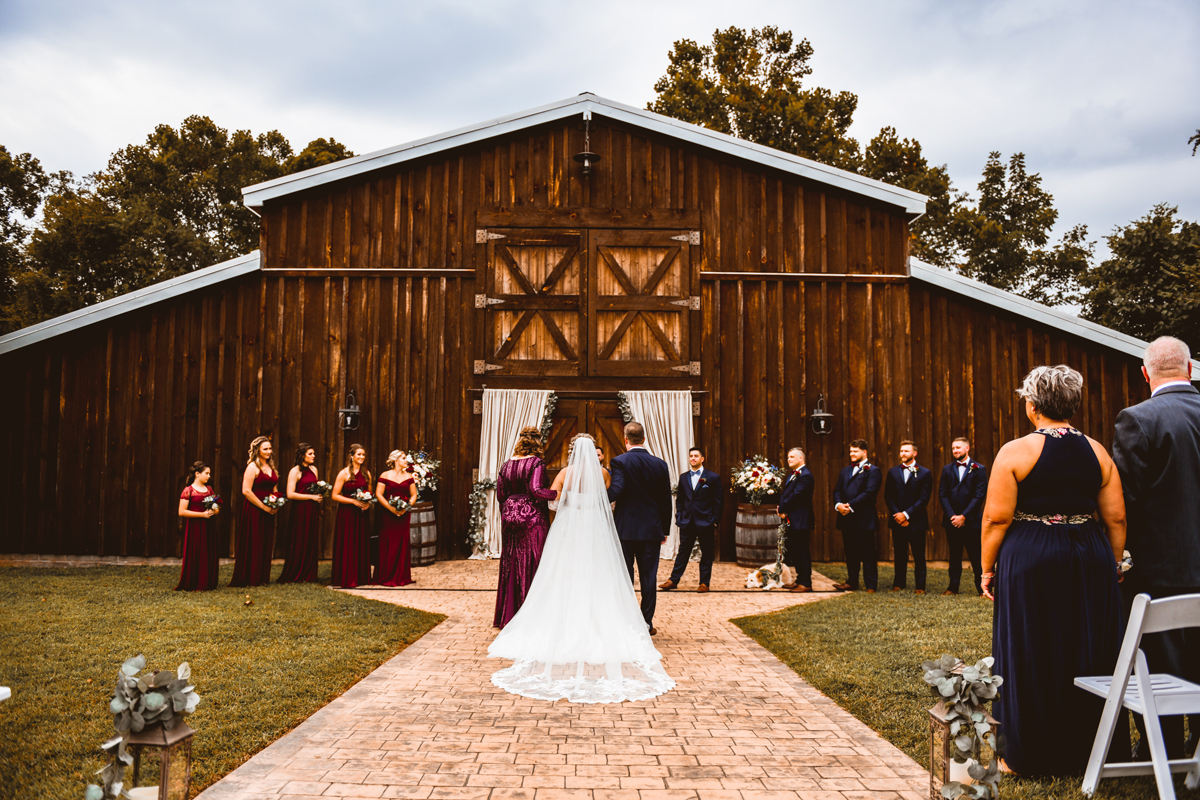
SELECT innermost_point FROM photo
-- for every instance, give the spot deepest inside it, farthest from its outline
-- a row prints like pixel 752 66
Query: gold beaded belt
pixel 1053 519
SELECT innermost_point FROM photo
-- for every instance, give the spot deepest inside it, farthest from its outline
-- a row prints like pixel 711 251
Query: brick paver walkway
pixel 429 725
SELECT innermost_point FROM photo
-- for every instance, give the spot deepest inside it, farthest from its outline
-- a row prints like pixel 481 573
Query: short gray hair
pixel 799 450
pixel 1056 392
pixel 1167 357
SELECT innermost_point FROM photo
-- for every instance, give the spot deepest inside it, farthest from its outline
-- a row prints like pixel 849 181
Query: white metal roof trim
pixel 912 202
pixel 1021 306
pixel 192 281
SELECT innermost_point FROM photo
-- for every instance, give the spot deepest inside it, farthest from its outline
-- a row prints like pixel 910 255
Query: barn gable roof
pixel 123 304
pixel 587 103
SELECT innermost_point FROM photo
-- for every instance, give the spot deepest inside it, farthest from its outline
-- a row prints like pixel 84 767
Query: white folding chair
pixel 1132 687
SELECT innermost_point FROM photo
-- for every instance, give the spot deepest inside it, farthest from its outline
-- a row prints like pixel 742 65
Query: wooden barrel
pixel 423 534
pixel 756 534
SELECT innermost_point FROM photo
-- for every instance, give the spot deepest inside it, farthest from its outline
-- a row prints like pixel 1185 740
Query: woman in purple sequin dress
pixel 524 521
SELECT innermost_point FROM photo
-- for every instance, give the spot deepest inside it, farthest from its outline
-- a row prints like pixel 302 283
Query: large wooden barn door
pixel 535 281
pixel 601 418
pixel 638 303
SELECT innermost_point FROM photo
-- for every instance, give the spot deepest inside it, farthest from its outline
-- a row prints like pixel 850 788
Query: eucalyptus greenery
pixel 548 417
pixel 475 529
pixel 623 407
pixel 163 697
pixel 964 691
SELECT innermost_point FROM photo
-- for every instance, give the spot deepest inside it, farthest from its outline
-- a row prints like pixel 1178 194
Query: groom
pixel 641 493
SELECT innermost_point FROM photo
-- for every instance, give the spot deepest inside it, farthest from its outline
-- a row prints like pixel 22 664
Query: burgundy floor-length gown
pixel 201 546
pixel 394 568
pixel 255 536
pixel 304 540
pixel 351 543
pixel 524 522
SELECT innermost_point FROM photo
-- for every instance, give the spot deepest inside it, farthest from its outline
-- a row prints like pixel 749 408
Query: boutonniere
pixel 974 466
pixel 912 469
pixel 865 468
pixel 700 482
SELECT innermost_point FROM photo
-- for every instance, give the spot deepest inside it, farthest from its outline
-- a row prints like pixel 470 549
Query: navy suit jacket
pixel 912 497
pixel 702 507
pixel 641 488
pixel 796 500
pixel 963 497
pixel 861 492
pixel 1156 447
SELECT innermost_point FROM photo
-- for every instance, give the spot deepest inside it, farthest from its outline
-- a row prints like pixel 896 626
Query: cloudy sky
pixel 1101 96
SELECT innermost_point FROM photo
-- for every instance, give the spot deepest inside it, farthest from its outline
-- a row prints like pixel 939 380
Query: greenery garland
pixel 548 417
pixel 623 407
pixel 475 530
pixel 964 692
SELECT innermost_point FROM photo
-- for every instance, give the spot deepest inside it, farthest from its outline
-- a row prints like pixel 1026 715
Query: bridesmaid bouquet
pixel 274 501
pixel 398 503
pixel 322 489
pixel 363 496
pixel 212 502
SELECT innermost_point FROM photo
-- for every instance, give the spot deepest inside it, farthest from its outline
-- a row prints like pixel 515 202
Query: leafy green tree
pixel 1150 287
pixel 22 184
pixel 750 85
pixel 1004 238
pixel 318 153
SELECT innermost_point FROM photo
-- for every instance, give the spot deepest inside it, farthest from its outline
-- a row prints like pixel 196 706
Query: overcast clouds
pixel 1101 96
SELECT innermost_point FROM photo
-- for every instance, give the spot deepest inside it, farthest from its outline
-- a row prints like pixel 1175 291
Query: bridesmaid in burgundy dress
pixel 394 567
pixel 201 556
pixel 524 522
pixel 304 538
pixel 351 556
pixel 256 529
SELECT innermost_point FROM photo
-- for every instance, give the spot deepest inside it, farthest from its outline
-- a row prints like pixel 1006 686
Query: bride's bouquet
pixel 758 478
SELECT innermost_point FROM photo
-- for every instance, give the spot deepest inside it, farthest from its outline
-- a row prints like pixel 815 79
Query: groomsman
pixel 796 509
pixel 906 494
pixel 699 503
pixel 961 490
pixel 854 499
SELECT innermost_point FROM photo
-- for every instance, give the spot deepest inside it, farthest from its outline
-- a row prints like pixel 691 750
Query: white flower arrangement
pixel 758 478
pixel 424 470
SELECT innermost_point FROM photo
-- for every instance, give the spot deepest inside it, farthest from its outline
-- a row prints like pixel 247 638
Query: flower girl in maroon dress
pixel 394 568
pixel 304 539
pixel 256 526
pixel 351 557
pixel 201 555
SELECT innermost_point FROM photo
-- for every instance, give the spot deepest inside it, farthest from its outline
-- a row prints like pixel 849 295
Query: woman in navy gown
pixel 201 542
pixel 304 532
pixel 1052 571
pixel 256 526
pixel 524 521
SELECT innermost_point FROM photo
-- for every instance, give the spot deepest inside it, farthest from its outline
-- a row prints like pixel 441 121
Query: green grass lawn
pixel 260 669
pixel 865 652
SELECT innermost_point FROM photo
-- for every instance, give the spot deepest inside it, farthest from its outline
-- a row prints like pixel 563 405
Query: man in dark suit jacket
pixel 961 491
pixel 906 494
pixel 796 509
pixel 641 490
pixel 699 503
pixel 854 499
pixel 1156 448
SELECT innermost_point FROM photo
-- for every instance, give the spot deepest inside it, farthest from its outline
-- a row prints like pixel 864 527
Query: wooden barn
pixel 678 259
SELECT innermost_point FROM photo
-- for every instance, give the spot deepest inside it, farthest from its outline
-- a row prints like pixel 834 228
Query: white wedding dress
pixel 580 635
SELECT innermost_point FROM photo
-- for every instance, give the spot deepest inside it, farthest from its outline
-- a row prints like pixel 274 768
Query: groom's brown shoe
pixel 702 588
pixel 653 630
pixel 800 589
pixel 667 585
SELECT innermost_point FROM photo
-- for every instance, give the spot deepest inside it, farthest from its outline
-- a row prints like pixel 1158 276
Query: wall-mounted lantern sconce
pixel 822 421
pixel 351 415
pixel 587 157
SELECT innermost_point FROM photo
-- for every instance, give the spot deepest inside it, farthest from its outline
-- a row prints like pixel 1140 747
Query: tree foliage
pixel 160 209
pixel 22 184
pixel 1150 287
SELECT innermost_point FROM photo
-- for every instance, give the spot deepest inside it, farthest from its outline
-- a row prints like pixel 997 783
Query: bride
pixel 580 635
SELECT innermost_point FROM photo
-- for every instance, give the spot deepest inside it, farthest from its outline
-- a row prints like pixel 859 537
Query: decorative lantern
pixel 942 766
pixel 349 417
pixel 166 756
pixel 587 158
pixel 822 421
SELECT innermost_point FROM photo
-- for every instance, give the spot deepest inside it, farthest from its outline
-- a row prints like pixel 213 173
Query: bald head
pixel 1167 359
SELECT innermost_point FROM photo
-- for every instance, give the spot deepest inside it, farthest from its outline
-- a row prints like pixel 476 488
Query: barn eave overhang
pixel 912 203
pixel 141 298
pixel 1028 309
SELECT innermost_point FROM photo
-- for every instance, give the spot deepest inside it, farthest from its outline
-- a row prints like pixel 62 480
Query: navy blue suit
pixel 641 488
pixel 964 497
pixel 697 513
pixel 912 498
pixel 796 506
pixel 858 528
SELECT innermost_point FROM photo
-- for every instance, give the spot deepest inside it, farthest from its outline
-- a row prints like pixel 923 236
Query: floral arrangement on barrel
pixel 963 691
pixel 161 696
pixel 757 478
pixel 274 500
pixel 424 469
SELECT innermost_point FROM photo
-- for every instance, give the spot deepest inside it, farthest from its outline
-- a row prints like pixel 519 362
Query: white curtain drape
pixel 667 418
pixel 505 412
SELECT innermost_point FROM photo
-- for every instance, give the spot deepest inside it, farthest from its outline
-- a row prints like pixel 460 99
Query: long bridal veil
pixel 580 635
